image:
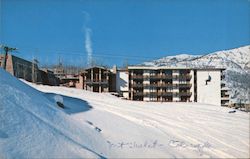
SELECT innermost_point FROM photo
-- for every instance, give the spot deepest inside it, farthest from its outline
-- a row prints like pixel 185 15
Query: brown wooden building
pixel 97 79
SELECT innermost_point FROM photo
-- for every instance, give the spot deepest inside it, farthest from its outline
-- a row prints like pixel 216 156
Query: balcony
pixel 163 76
pixel 153 85
pixel 163 85
pixel 224 89
pixel 167 76
pixel 138 93
pixel 137 85
pixel 159 93
pixel 150 93
pixel 168 85
pixel 103 81
pixel 165 94
pixel 184 93
pixel 185 76
pixel 222 76
pixel 153 76
pixel 137 76
pixel 185 85
pixel 157 76
pixel 225 97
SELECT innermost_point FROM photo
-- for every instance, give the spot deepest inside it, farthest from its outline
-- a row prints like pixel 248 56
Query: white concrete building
pixel 122 84
pixel 166 84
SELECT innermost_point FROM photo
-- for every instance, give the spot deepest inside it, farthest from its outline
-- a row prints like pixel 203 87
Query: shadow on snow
pixel 71 105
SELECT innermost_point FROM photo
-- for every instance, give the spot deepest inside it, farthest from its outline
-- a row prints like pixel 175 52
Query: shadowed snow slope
pixel 99 124
pixel 32 126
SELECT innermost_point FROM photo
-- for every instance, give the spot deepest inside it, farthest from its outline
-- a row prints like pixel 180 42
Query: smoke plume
pixel 88 45
pixel 88 41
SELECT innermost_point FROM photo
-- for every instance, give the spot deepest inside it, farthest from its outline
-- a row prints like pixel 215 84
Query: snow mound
pixel 33 127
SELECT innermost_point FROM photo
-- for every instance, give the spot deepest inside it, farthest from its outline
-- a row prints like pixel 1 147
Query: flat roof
pixel 100 67
pixel 171 68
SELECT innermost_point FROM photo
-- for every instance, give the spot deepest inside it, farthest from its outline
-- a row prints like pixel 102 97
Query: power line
pixel 96 54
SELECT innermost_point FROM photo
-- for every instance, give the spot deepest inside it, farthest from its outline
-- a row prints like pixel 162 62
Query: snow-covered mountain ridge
pixel 235 61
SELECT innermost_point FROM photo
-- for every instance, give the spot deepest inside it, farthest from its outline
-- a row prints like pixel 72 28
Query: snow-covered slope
pixel 32 126
pixel 236 61
pixel 162 130
pixel 99 124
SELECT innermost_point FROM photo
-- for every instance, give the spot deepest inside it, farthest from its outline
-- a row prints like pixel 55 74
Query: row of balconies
pixel 187 76
pixel 181 85
pixel 162 93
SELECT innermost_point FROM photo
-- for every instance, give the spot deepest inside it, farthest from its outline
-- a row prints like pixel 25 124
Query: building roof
pixel 171 68
pixel 101 67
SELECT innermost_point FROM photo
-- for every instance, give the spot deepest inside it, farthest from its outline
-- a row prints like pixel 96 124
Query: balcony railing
pixel 169 85
pixel 137 85
pixel 162 93
pixel 95 81
pixel 185 76
pixel 159 93
pixel 156 93
pixel 158 76
pixel 138 93
pixel 152 85
pixel 137 76
pixel 225 98
pixel 185 85
pixel 167 93
pixel 184 93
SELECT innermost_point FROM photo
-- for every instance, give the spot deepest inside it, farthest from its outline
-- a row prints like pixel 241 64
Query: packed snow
pixel 100 125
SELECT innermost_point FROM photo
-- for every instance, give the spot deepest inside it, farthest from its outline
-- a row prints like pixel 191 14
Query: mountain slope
pixel 236 61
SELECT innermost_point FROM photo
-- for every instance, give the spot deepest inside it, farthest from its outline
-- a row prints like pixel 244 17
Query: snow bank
pixel 32 126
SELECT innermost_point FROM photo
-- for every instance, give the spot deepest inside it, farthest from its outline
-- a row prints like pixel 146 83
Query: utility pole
pixel 34 71
pixel 6 50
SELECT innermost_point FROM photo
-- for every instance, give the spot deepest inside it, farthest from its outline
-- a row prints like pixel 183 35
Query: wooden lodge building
pixel 97 79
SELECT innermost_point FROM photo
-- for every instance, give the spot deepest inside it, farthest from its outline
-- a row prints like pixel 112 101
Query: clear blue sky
pixel 132 30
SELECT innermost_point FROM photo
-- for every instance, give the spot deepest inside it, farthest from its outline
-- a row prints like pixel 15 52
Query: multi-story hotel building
pixel 166 84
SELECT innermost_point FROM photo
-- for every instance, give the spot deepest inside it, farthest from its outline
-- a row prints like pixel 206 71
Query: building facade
pixel 165 84
pixel 22 68
pixel 122 83
pixel 48 77
pixel 97 79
